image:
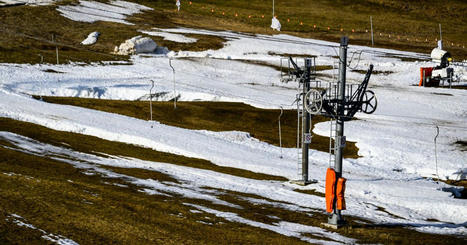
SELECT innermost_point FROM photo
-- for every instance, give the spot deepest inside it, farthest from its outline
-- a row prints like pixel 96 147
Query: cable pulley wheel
pixel 369 102
pixel 313 102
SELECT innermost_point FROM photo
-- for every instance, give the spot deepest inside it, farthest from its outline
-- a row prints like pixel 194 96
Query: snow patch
pixel 283 228
pixel 91 11
pixel 136 45
pixel 179 38
pixel 28 2
pixel 91 39
pixel 58 239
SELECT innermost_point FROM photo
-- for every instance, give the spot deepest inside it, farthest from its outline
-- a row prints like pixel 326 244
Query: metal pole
pixel 436 151
pixel 280 134
pixel 440 33
pixel 273 8
pixel 371 26
pixel 150 98
pixel 173 76
pixel 336 217
pixel 305 122
pixel 450 79
pixel 424 78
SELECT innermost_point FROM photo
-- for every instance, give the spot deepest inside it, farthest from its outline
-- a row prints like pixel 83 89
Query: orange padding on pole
pixel 330 189
pixel 340 203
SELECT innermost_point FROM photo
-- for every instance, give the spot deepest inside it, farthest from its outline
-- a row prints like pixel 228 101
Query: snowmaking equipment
pixel 339 102
pixel 433 76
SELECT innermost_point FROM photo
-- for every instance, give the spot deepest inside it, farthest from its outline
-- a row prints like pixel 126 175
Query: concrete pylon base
pixel 332 226
pixel 335 221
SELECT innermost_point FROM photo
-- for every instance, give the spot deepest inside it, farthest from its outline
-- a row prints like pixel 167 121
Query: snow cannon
pixel 432 76
pixel 442 57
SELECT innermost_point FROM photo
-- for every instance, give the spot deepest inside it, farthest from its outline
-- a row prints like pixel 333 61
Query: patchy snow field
pixel 174 37
pixel 91 11
pixel 28 2
pixel 58 239
pixel 396 142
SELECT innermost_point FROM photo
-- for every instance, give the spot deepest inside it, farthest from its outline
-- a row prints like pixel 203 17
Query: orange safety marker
pixel 190 2
pixel 301 23
pixel 223 13
pixel 314 26
pixel 353 30
pixel 262 16
pixel 330 189
pixel 288 20
pixel 249 16
pixel 212 10
pixel 236 15
pixel 340 202
pixel 342 29
pixel 329 28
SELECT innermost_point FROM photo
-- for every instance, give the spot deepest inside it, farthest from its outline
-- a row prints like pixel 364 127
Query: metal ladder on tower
pixel 332 142
pixel 332 94
pixel 299 133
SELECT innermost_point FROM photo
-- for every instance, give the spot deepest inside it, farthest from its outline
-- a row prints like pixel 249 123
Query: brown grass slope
pixel 92 209
pixel 214 116
pixel 60 199
pixel 90 144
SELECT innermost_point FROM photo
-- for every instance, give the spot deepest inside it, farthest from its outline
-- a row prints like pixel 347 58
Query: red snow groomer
pixel 432 76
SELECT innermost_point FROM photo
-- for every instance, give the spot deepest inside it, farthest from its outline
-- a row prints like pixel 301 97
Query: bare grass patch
pixel 214 116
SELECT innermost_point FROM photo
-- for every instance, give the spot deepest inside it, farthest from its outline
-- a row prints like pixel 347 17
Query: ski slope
pixel 396 142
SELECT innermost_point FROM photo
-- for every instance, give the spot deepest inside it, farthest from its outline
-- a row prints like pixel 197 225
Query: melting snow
pixel 179 38
pixel 398 136
pixel 91 11
pixel 58 239
pixel 403 206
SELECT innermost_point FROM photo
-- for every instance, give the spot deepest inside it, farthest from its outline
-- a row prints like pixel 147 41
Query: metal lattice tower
pixel 306 80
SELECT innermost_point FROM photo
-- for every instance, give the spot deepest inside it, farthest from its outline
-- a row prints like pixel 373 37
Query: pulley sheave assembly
pixel 313 101
pixel 369 102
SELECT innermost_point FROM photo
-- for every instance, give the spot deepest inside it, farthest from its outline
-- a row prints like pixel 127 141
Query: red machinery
pixel 426 79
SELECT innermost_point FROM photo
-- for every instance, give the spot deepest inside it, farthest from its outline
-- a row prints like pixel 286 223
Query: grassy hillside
pixel 214 116
pixel 404 19
pixel 27 31
pixel 88 208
